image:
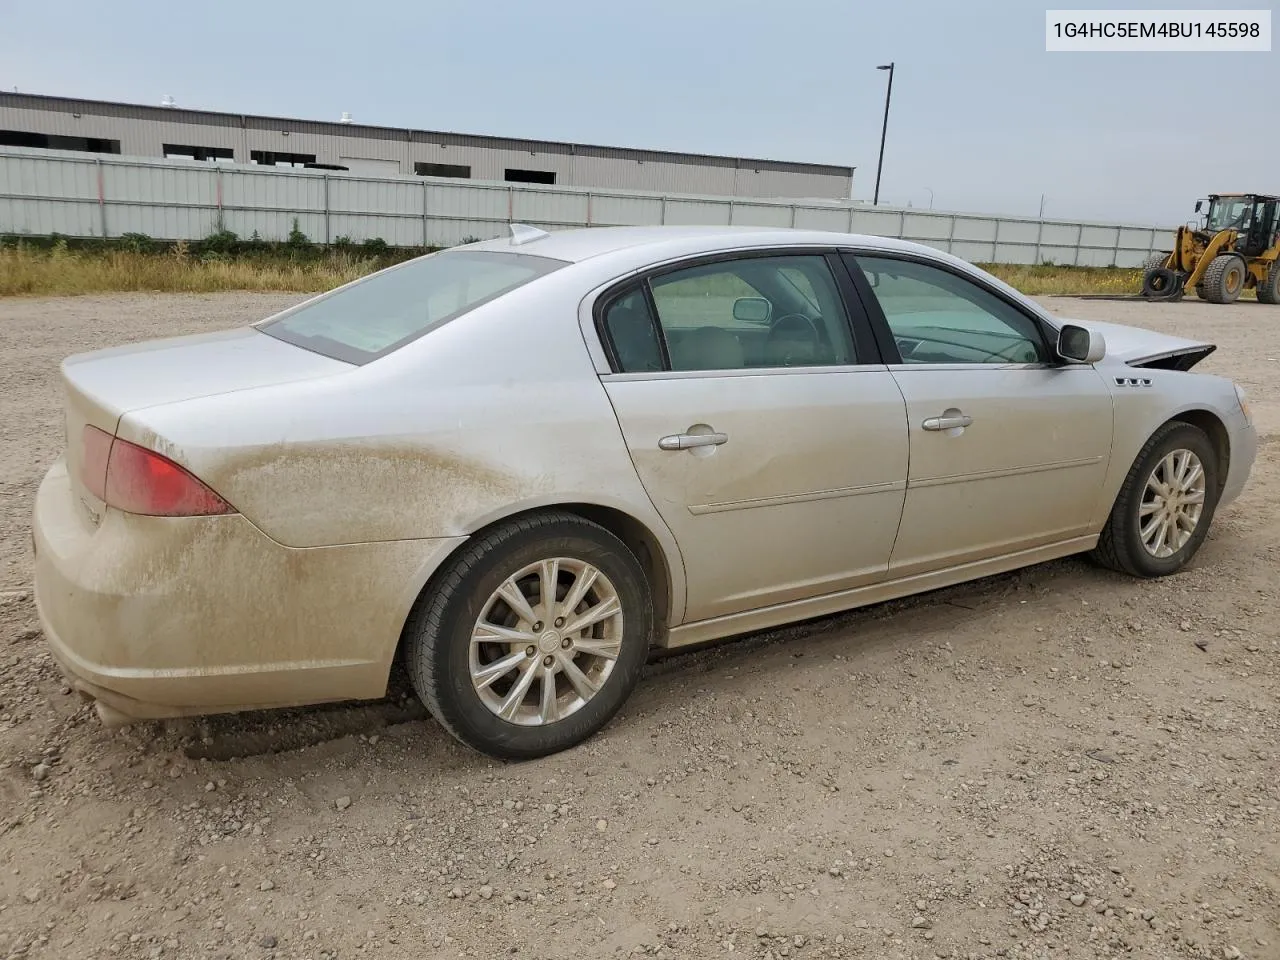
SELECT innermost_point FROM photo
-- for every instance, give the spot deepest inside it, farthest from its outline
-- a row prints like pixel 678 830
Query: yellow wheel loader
pixel 1236 247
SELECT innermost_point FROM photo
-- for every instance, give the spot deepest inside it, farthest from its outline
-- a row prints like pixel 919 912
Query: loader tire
pixel 1269 288
pixel 1224 280
pixel 1159 283
pixel 1154 261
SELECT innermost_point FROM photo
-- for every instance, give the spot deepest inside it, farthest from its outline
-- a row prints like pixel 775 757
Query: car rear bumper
pixel 163 617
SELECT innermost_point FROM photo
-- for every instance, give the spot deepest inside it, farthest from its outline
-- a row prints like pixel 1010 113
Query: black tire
pixel 1269 288
pixel 438 634
pixel 1154 261
pixel 1120 547
pixel 1224 279
pixel 1159 283
pixel 1200 292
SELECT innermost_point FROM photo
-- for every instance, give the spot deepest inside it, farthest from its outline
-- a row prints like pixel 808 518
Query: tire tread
pixel 1212 281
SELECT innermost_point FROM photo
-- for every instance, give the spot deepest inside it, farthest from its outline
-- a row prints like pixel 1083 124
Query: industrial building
pixel 30 120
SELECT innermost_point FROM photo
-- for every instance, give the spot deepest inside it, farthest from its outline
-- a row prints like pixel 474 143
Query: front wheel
pixel 1224 279
pixel 1165 506
pixel 533 637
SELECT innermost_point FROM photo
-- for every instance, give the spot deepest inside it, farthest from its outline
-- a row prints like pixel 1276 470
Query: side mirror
pixel 1080 344
pixel 752 310
pixel 1199 205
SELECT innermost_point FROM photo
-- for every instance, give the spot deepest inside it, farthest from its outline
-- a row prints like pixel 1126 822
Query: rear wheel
pixel 1165 506
pixel 533 637
pixel 1269 288
pixel 1224 279
pixel 1154 261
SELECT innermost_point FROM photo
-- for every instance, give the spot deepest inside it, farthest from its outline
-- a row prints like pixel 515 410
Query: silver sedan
pixel 522 464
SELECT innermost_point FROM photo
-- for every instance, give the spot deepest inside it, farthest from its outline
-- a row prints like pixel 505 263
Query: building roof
pixel 136 111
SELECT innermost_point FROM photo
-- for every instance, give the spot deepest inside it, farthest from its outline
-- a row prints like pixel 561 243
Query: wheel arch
pixel 656 552
pixel 1212 425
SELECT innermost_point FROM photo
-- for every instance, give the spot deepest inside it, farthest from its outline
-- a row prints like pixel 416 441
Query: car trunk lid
pixel 101 386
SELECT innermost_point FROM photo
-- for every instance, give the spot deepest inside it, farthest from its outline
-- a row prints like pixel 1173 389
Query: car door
pixel 762 423
pixel 1008 447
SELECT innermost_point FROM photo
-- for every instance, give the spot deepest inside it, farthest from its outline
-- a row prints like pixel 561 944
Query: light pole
pixel 884 129
pixel 930 189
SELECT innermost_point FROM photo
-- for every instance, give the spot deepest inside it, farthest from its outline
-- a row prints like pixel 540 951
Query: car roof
pixel 584 243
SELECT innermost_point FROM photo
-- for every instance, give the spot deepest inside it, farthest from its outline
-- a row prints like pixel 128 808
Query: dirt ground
pixel 1056 763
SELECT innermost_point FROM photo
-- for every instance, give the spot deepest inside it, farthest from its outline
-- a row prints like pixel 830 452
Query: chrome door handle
pixel 683 441
pixel 947 423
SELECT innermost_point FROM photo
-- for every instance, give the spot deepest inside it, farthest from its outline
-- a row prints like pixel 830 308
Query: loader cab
pixel 1253 216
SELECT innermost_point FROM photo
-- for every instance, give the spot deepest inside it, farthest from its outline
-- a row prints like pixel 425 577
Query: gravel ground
pixel 1056 763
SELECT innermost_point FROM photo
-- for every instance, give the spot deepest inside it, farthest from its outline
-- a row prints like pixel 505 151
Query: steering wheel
pixel 796 327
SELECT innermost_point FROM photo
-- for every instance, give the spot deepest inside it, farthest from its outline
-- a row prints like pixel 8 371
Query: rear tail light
pixel 137 480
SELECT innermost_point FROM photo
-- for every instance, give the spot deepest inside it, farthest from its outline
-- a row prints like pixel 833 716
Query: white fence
pixel 88 195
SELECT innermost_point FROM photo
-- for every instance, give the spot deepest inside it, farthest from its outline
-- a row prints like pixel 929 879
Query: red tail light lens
pixel 137 480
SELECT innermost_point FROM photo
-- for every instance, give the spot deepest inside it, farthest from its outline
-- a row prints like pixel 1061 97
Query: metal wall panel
pixel 1142 238
pixel 467 202
pixel 1063 234
pixel 1091 236
pixel 973 250
pixel 155 220
pixel 1014 253
pixel 1058 255
pixel 1019 231
pixel 974 228
pixel 173 185
pixel 272 190
pixel 616 210
pixel 44 192
pixel 71 218
pixel 361 195
pixel 926 226
pixel 823 218
pixel 697 212
pixel 762 214
pixel 877 222
pixel 546 206
pixel 29 175
pixel 399 231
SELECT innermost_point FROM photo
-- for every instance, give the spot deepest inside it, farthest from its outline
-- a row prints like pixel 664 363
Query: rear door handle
pixel 947 423
pixel 684 441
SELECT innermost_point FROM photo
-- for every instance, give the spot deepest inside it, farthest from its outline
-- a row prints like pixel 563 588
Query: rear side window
pixel 384 311
pixel 744 313
pixel 629 325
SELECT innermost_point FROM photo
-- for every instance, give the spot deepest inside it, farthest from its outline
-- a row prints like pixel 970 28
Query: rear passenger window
pixel 629 326
pixel 753 312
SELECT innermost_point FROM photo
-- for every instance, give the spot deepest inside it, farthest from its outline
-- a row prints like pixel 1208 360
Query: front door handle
pixel 947 423
pixel 684 441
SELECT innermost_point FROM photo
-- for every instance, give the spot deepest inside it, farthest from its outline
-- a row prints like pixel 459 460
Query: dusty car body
pixel 265 516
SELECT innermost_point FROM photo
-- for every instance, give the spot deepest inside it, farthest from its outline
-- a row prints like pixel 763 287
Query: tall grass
pixel 1047 280
pixel 27 270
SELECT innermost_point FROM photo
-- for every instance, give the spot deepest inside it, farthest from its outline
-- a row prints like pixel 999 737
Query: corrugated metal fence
pixel 87 195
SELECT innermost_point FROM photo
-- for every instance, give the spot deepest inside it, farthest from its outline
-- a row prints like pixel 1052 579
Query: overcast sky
pixel 981 113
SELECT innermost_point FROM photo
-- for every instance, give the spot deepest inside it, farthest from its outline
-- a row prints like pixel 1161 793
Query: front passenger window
pixel 936 316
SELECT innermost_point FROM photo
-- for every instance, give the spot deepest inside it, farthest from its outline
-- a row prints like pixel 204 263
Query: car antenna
pixel 523 233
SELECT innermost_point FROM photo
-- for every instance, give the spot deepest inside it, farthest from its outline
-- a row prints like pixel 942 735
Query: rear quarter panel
pixel 495 413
